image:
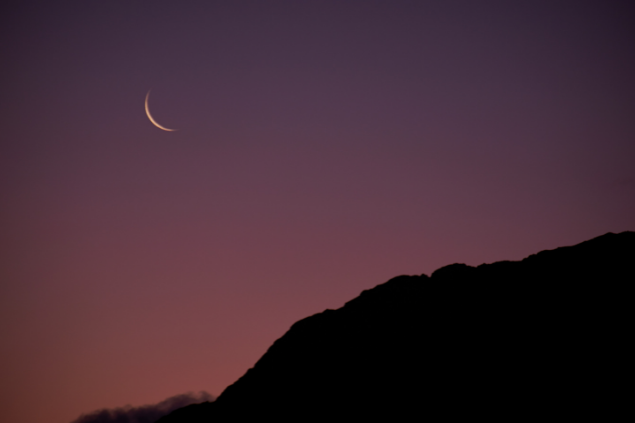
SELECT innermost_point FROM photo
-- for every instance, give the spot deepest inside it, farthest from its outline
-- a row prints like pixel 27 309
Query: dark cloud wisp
pixel 145 413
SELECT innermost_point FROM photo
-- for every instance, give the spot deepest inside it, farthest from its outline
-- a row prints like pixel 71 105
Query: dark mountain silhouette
pixel 545 337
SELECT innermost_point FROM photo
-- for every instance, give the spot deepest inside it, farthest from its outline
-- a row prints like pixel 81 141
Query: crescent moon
pixel 154 122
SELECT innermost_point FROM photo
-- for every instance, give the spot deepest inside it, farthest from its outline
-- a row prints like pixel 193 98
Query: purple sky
pixel 323 148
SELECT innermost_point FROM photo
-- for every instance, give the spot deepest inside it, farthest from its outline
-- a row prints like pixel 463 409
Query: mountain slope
pixel 545 336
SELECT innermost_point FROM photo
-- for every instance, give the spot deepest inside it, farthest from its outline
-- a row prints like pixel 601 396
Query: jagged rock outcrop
pixel 545 337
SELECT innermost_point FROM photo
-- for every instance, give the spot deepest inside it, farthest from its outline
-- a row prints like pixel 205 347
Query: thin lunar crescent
pixel 154 122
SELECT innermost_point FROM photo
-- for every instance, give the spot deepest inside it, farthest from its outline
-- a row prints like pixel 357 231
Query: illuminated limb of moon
pixel 154 122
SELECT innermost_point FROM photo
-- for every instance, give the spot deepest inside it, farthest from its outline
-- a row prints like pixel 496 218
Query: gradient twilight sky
pixel 323 148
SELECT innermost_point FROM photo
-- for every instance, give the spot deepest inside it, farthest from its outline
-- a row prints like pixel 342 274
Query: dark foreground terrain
pixel 548 337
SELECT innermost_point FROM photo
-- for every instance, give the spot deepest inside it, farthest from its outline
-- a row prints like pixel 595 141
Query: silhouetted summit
pixel 545 337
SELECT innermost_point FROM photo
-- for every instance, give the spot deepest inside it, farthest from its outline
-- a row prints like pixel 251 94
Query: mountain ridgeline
pixel 545 337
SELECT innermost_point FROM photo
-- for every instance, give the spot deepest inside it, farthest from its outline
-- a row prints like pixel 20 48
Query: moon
pixel 154 122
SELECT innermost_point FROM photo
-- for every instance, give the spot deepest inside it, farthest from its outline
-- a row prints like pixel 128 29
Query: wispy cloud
pixel 145 413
